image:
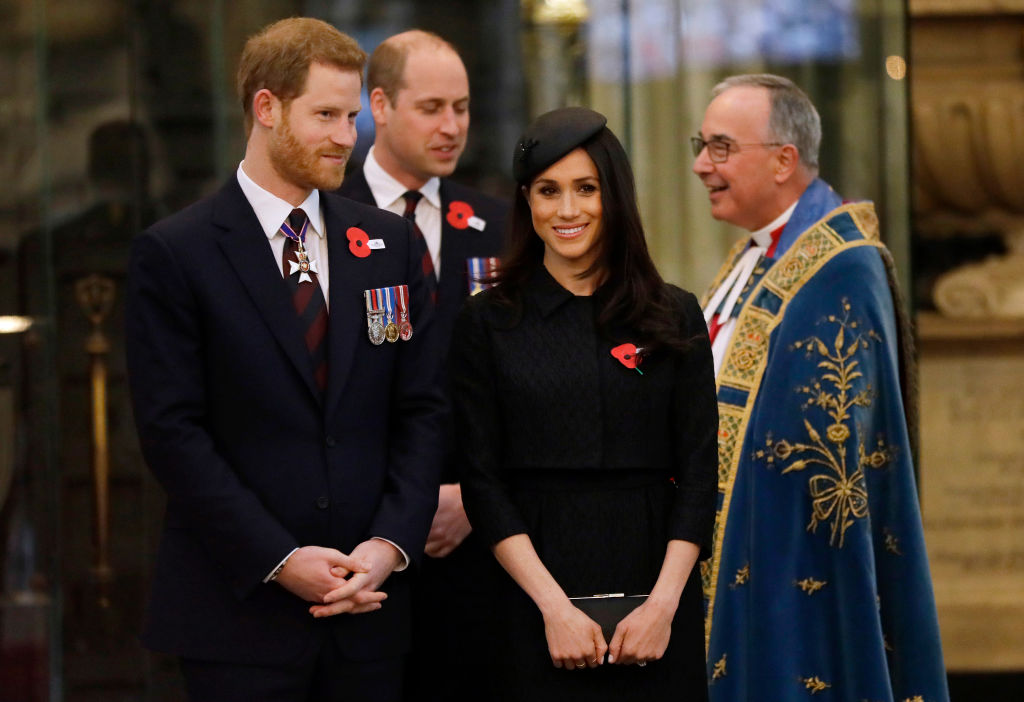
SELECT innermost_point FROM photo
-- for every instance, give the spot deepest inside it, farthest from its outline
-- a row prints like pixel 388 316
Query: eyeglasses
pixel 719 149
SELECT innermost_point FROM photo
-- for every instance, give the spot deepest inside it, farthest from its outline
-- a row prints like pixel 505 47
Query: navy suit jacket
pixel 254 459
pixel 456 244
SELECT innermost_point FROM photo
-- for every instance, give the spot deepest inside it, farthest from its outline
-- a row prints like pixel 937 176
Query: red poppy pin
pixel 629 355
pixel 459 214
pixel 358 242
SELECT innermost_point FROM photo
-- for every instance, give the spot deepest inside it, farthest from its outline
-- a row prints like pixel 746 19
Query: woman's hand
pixel 574 639
pixel 643 634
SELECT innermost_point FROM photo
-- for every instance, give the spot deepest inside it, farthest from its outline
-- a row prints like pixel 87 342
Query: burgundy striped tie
pixel 309 302
pixel 412 198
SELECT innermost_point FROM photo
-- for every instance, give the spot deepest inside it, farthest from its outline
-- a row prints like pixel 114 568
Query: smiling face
pixel 313 135
pixel 423 133
pixel 743 190
pixel 565 205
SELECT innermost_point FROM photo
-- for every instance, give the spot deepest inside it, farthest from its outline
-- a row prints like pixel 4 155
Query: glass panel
pixel 30 591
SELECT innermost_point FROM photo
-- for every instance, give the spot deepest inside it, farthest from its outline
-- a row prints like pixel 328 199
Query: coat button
pixel 322 502
pixel 331 442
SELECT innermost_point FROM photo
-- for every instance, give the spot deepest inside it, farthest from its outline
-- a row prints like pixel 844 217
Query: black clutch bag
pixel 608 609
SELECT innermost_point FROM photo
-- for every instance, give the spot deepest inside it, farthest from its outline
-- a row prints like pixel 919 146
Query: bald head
pixel 386 69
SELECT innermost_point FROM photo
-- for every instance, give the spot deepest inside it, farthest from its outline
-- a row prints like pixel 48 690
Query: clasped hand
pixel 575 640
pixel 340 583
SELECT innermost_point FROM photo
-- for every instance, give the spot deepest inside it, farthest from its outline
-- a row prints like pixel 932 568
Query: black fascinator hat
pixel 550 137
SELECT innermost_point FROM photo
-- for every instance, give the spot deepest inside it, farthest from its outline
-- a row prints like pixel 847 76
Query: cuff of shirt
pixel 272 575
pixel 405 556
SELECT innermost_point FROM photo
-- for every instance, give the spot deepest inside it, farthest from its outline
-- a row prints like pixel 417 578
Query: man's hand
pixel 450 526
pixel 360 592
pixel 312 572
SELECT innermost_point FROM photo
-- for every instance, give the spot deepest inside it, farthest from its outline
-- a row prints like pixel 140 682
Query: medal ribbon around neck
pixel 303 264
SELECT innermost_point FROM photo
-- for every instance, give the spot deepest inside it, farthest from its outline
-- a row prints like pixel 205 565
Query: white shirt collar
pixel 763 236
pixel 387 190
pixel 272 211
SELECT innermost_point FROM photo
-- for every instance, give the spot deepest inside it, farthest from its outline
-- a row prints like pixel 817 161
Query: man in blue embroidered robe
pixel 819 585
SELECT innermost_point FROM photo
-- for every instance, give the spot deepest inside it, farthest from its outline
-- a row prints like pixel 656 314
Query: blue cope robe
pixel 818 587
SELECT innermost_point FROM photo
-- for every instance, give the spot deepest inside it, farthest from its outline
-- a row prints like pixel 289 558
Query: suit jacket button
pixel 331 441
pixel 322 502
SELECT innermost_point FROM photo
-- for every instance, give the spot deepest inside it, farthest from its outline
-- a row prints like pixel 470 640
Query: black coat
pixel 537 389
pixel 253 460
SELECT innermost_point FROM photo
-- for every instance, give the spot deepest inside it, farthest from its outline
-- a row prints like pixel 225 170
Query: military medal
pixel 303 264
pixel 391 332
pixel 374 315
pixel 479 272
pixel 404 325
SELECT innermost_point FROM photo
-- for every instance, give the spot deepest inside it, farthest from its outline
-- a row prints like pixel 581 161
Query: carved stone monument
pixel 967 73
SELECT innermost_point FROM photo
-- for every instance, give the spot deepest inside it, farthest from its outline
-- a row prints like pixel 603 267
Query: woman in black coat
pixel 585 403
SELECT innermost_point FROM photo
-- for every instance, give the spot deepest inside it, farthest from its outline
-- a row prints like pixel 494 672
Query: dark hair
pixel 633 294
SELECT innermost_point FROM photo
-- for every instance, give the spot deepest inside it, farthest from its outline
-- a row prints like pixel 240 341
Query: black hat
pixel 550 137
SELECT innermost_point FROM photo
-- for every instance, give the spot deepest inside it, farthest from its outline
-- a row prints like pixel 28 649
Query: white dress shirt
pixel 724 298
pixel 272 211
pixel 387 192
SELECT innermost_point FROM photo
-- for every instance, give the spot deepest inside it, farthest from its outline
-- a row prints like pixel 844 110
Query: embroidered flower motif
pixel 459 214
pixel 837 433
pixel 358 242
pixel 629 355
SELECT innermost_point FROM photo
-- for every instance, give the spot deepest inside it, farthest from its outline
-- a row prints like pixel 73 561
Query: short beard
pixel 301 166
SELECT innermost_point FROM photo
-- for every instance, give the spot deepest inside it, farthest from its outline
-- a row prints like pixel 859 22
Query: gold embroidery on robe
pixel 719 671
pixel 815 684
pixel 892 543
pixel 839 497
pixel 742 577
pixel 810 585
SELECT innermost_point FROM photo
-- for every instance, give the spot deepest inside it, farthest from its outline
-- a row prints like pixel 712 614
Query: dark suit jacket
pixel 456 244
pixel 253 460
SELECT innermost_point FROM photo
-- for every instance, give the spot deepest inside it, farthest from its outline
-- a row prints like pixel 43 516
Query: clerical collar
pixel 763 236
pixel 387 190
pixel 271 210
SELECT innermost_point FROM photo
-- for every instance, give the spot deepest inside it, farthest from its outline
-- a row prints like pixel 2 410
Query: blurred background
pixel 115 113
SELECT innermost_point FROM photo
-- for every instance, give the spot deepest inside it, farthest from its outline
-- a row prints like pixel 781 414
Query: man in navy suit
pixel 284 381
pixel 419 97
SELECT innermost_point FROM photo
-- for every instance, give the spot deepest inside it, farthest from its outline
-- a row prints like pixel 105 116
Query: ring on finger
pixel 641 663
pixel 581 665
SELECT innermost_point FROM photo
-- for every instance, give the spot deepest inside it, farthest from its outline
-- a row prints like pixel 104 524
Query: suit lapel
pixel 243 243
pixel 454 244
pixel 350 276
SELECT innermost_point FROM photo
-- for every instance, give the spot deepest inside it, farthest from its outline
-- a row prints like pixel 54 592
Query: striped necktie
pixel 308 297
pixel 412 198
